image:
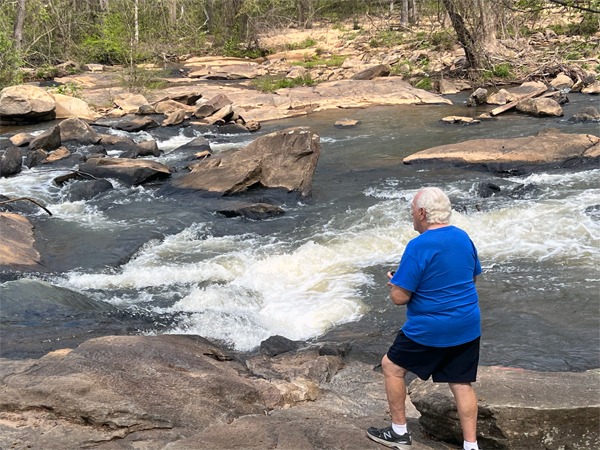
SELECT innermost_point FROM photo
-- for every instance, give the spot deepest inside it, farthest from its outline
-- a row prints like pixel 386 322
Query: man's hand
pixel 400 296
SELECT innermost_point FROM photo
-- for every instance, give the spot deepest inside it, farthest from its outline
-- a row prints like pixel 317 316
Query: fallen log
pixel 26 198
pixel 511 105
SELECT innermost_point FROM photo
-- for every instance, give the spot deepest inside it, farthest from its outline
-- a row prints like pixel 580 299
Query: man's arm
pixel 400 296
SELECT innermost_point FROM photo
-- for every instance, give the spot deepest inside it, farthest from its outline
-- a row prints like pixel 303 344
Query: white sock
pixel 399 429
pixel 470 445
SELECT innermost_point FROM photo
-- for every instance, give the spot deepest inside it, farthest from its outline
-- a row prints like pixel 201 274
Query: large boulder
pixel 380 70
pixel 593 88
pixel 284 159
pixel 586 115
pixel 540 107
pixel 130 103
pixel 11 161
pixel 49 140
pixel 548 146
pixel 519 409
pixel 16 247
pixel 478 97
pixel 129 171
pixel 26 103
pixel 67 106
pixel 562 82
pixel 136 382
pixel 75 129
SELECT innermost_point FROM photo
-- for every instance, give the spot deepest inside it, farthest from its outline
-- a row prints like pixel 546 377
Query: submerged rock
pixel 518 409
pixel 129 171
pixel 254 211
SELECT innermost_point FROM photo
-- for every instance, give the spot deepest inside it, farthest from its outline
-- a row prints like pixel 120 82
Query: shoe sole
pixel 389 444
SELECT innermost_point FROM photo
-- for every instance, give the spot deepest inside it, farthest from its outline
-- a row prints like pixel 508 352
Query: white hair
pixel 435 203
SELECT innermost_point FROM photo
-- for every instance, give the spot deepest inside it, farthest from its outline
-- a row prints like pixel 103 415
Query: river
pixel 318 272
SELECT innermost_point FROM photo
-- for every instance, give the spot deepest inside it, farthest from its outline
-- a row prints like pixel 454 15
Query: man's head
pixel 430 207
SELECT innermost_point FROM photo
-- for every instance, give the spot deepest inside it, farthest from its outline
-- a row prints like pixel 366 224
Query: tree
pixel 19 20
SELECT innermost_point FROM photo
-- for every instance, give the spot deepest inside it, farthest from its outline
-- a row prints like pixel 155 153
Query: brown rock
pixel 380 70
pixel 26 103
pixel 478 97
pixel 254 211
pixel 168 107
pixel 525 89
pixel 562 82
pixel 67 106
pixel 129 171
pixel 174 118
pixel 447 87
pixel 130 103
pixel 540 107
pixel 16 245
pixel 77 130
pixel 57 155
pixel 346 123
pixel 593 88
pixel 22 139
pixel 49 140
pixel 498 98
pixel 518 409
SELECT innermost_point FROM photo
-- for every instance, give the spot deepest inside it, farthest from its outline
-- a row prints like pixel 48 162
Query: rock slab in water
pixel 548 146
pixel 49 140
pixel 10 161
pixel 540 107
pixel 75 129
pixel 132 172
pixel 254 211
pixel 519 409
pixel 284 159
pixel 26 103
pixel 17 245
pixel 346 123
pixel 86 190
pixel 586 115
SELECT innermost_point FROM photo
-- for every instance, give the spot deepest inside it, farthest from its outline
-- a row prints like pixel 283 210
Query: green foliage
pixel 271 84
pixel 69 89
pixel 425 84
pixel 334 61
pixel 10 62
pixel 503 71
pixel 137 79
pixel 442 40
pixel 388 38
pixel 112 43
pixel 306 43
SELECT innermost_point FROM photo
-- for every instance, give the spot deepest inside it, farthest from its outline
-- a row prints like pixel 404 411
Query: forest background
pixel 36 36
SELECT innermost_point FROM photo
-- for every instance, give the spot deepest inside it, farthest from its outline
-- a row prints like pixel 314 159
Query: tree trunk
pixel 19 20
pixel 404 14
pixel 413 17
pixel 136 37
pixel 172 12
pixel 464 37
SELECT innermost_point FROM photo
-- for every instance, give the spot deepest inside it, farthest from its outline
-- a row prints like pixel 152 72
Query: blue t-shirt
pixel 438 268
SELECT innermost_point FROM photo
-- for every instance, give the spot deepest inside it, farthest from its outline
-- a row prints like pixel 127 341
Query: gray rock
pixel 10 161
pixel 86 190
pixel 146 109
pixel 519 409
pixel 233 128
pixel 284 159
pixel 478 97
pixel 540 107
pixel 77 130
pixel 188 151
pixel 559 97
pixel 189 98
pixel 380 70
pixel 129 171
pixel 35 157
pixel 277 345
pixel 149 148
pixel 135 125
pixel 204 111
pixel 485 190
pixel 586 115
pixel 49 140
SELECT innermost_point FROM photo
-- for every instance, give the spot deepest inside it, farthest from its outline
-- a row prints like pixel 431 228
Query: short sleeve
pixel 408 275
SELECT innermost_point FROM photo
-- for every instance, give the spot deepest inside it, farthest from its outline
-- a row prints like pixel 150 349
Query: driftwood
pixel 511 105
pixel 29 199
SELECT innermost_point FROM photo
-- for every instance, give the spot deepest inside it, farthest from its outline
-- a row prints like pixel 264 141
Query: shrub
pixel 271 84
pixel 502 71
pixel 425 84
pixel 442 40
pixel 10 62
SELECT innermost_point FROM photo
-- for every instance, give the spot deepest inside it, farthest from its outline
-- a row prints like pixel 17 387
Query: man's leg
pixel 466 404
pixel 395 389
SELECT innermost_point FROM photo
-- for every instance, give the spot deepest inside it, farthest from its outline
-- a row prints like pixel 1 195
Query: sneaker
pixel 386 436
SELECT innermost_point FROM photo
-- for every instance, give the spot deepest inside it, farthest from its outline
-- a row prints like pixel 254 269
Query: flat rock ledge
pixel 17 246
pixel 548 147
pixel 519 409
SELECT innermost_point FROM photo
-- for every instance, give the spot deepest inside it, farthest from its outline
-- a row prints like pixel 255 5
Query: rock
pixel 540 107
pixel 131 172
pixel 77 130
pixel 460 119
pixel 518 409
pixel 478 97
pixel 562 82
pixel 146 109
pixel 130 103
pixel 174 118
pixel 548 146
pixel 21 139
pixel 135 125
pixel 57 155
pixel 189 98
pixel 49 140
pixel 253 211
pixel 67 107
pixel 17 247
pixel 380 70
pixel 20 207
pixel 346 123
pixel 586 115
pixel 204 111
pixel 559 97
pixel 582 83
pixel 284 159
pixel 187 382
pixel 11 162
pixel 498 98
pixel 295 72
pixel 485 190
pixel 168 107
pixel 26 103
pixel 276 345
pixel 233 72
pixel 118 143
pixel 149 148
pixel 196 145
pixel 35 157
pixel 525 89
pixel 225 113
pixel 252 125
pixel 350 63
pixel 593 88
pixel 86 190
pixel 447 87
pixel 93 67
pixel 233 128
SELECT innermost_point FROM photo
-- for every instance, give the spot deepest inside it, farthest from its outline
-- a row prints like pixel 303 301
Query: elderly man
pixel 436 282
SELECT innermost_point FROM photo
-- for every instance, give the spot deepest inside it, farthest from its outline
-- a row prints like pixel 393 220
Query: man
pixel 436 282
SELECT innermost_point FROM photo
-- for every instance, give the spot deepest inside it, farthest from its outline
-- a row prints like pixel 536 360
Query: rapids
pixel 318 272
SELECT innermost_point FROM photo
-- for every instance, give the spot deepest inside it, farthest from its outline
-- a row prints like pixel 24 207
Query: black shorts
pixel 456 364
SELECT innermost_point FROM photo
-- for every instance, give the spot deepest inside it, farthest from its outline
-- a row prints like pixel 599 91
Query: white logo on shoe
pixel 387 435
